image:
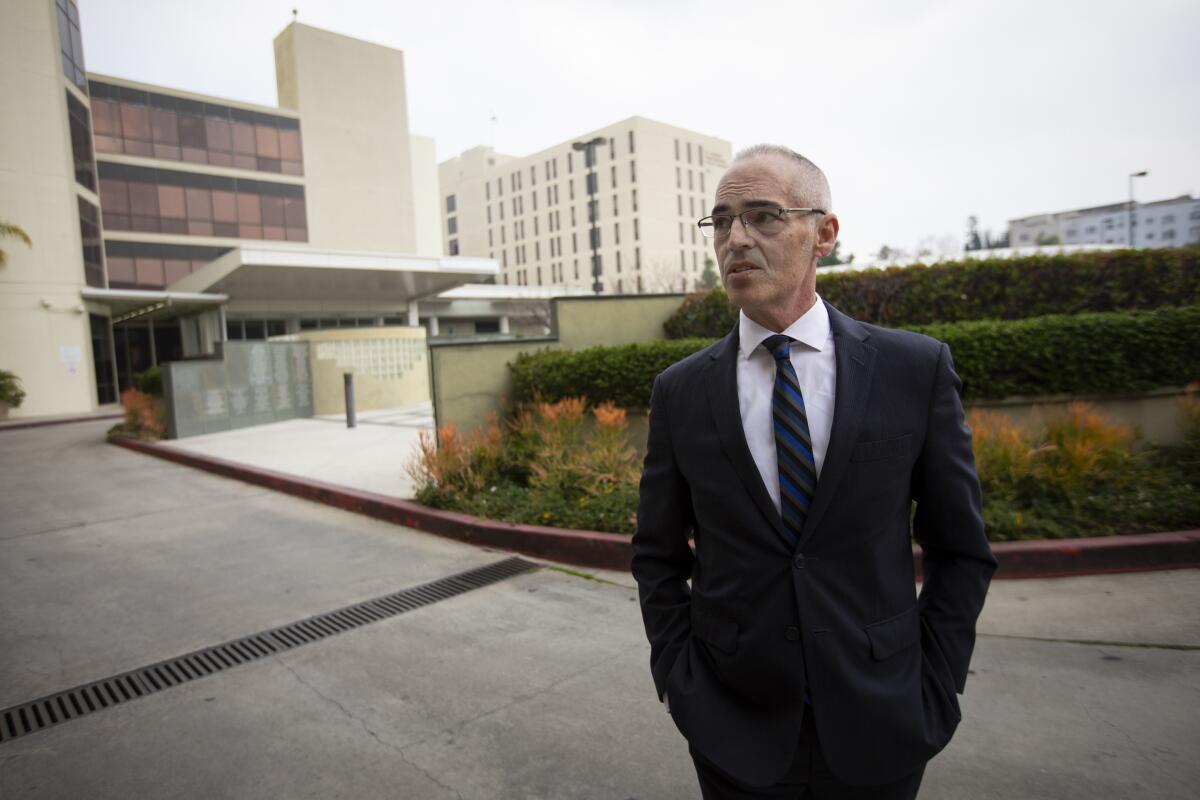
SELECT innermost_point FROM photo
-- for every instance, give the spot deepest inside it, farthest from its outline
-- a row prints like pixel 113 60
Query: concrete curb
pixel 19 424
pixel 1037 559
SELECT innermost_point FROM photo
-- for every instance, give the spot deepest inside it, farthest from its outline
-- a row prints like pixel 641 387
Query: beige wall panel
pixel 471 381
pixel 357 155
pixel 39 288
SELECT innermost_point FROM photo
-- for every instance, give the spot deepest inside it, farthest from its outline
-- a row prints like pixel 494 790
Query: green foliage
pixel 1017 288
pixel 145 416
pixel 1130 351
pixel 11 231
pixel 11 393
pixel 150 382
pixel 1078 474
pixel 622 374
pixel 551 465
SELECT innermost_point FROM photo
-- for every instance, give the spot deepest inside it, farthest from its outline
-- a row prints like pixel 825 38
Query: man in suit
pixel 800 661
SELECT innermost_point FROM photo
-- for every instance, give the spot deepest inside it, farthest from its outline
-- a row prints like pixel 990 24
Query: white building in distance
pixel 1165 223
pixel 651 183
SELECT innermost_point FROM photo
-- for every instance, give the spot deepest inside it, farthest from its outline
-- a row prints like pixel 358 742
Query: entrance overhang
pixel 257 273
pixel 128 304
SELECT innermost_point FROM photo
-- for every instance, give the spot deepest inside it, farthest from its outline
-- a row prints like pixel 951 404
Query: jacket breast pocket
pixel 720 633
pixel 881 449
pixel 890 636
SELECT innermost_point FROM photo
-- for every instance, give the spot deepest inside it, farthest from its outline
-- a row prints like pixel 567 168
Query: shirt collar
pixel 811 329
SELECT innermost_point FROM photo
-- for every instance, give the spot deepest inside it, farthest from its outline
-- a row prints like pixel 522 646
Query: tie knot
pixel 779 346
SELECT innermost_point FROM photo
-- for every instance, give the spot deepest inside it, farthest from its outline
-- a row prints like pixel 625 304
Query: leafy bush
pixel 1128 351
pixel 145 416
pixel 621 374
pixel 1077 474
pixel 150 381
pixel 1016 288
pixel 11 392
pixel 552 466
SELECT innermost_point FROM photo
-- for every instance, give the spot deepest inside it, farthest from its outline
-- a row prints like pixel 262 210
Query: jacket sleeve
pixel 957 563
pixel 662 558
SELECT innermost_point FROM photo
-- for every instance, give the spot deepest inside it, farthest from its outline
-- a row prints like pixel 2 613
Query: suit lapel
pixel 721 377
pixel 855 360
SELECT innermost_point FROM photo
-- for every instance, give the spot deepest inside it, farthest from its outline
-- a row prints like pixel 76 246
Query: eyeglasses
pixel 767 221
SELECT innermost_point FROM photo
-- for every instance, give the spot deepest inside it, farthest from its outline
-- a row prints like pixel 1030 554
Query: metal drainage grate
pixel 54 709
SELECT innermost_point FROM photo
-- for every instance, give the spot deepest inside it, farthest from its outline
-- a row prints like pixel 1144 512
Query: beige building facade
pixel 534 215
pixel 164 220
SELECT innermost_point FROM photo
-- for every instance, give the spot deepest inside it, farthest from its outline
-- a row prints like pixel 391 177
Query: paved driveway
pixel 532 687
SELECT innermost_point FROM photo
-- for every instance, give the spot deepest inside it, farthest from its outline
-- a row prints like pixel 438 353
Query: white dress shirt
pixel 812 358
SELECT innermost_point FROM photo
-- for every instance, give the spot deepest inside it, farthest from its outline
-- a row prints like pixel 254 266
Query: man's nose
pixel 739 234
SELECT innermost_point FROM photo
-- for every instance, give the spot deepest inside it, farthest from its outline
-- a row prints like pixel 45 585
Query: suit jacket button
pixel 799 561
pixel 791 633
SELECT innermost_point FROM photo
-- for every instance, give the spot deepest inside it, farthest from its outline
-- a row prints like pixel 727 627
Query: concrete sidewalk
pixel 372 456
pixel 534 687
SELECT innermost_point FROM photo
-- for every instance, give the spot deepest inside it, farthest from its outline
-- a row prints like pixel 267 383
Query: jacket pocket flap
pixel 881 449
pixel 892 635
pixel 720 633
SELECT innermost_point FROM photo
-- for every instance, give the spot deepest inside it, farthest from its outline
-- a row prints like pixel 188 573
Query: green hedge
pixel 1124 351
pixel 621 373
pixel 1016 288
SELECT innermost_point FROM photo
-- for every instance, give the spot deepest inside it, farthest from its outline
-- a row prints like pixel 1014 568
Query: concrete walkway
pixel 372 456
pixel 535 687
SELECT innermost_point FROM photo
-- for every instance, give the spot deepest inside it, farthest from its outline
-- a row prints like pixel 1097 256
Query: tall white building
pixel 1164 223
pixel 649 185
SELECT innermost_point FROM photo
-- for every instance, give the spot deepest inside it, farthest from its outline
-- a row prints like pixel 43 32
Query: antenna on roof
pixel 295 14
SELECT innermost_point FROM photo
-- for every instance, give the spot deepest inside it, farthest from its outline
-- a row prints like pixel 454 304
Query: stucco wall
pixel 472 380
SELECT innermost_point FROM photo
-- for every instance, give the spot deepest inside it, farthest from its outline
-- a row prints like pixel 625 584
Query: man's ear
pixel 827 233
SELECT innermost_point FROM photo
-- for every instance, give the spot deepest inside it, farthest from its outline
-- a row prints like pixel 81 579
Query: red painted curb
pixel 1038 559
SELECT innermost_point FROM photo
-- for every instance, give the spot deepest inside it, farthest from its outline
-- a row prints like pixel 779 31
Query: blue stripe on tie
pixel 792 440
pixel 795 427
pixel 795 493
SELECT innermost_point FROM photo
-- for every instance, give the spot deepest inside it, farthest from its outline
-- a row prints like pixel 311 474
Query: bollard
pixel 348 380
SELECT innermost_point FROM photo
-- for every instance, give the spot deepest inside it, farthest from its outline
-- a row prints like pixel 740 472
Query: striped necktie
pixel 793 444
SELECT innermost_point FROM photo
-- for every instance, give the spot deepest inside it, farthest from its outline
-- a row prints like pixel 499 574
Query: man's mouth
pixel 741 266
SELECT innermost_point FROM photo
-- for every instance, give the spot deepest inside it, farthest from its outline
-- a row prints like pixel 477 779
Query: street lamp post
pixel 1132 175
pixel 589 151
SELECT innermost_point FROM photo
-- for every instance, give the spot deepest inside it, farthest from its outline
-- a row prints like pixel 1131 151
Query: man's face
pixel 771 278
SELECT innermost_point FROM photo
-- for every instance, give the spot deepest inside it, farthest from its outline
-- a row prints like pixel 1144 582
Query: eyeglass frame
pixel 709 231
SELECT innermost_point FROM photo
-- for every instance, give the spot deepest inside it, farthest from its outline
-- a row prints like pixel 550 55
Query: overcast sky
pixel 921 113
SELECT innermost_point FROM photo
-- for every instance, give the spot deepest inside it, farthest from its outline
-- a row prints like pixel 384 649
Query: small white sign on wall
pixel 71 356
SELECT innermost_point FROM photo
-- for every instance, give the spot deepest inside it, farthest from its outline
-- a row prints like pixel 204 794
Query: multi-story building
pixel 540 215
pixel 1165 223
pixel 163 220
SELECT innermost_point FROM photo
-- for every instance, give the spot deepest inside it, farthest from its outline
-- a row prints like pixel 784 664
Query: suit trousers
pixel 808 777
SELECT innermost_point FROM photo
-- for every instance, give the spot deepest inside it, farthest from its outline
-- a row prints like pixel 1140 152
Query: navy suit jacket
pixel 746 626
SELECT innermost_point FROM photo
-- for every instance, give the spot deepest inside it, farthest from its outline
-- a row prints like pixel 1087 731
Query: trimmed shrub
pixel 1115 353
pixel 1016 288
pixel 1129 351
pixel 622 374
pixel 150 381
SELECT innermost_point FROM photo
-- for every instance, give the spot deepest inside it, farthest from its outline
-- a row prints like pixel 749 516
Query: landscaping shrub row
pixel 1016 288
pixel 1089 354
pixel 1072 474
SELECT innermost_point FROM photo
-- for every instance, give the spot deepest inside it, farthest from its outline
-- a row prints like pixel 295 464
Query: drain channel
pixel 60 707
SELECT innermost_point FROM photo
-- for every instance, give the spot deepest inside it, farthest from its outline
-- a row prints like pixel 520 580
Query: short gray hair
pixel 814 186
